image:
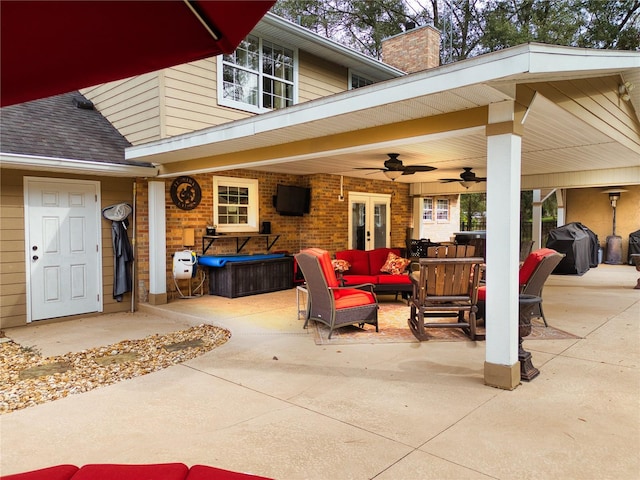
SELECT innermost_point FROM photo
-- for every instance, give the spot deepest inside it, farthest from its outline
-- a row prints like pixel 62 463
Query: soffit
pixel 554 140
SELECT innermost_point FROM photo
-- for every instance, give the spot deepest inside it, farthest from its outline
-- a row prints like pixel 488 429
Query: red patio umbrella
pixel 52 47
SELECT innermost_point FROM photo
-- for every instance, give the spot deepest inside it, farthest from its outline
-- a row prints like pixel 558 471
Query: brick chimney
pixel 413 50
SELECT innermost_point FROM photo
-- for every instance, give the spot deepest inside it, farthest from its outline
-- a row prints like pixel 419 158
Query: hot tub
pixel 241 275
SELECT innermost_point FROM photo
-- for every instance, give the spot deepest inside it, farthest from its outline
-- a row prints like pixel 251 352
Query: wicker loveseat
pixel 365 267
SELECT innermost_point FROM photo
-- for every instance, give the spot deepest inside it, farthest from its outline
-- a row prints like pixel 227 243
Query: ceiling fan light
pixel 466 184
pixel 392 174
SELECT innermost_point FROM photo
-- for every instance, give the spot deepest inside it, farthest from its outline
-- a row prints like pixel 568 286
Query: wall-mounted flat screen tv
pixel 292 200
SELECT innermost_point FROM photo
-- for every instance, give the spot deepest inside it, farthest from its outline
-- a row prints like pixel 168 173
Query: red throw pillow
pixel 395 264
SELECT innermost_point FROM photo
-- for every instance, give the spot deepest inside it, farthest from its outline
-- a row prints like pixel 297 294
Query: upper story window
pixel 235 204
pixel 258 76
pixel 358 81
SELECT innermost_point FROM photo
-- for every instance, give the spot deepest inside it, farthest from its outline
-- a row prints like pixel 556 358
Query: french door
pixel 369 220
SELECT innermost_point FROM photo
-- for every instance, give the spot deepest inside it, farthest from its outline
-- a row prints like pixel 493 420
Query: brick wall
pixel 324 227
pixel 414 50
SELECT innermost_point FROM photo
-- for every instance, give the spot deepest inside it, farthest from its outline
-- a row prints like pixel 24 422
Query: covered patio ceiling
pixel 575 122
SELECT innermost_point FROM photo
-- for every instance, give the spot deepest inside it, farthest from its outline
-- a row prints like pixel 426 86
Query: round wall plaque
pixel 186 193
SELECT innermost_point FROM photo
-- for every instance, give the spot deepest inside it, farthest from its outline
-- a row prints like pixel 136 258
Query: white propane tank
pixel 183 264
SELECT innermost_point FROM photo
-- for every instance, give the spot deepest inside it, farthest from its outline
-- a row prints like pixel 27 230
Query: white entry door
pixel 369 220
pixel 62 231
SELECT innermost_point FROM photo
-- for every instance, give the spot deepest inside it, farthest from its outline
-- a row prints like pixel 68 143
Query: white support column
pixel 560 193
pixel 502 368
pixel 157 244
pixel 536 227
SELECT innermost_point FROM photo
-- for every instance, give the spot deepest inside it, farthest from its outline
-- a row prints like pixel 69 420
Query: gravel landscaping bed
pixel 29 379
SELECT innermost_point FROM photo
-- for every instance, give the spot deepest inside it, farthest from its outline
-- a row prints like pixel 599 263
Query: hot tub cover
pixel 221 260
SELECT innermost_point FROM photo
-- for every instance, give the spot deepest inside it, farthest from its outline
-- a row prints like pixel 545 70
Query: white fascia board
pixel 404 88
pixel 555 59
pixel 67 165
pixel 484 69
pixel 325 43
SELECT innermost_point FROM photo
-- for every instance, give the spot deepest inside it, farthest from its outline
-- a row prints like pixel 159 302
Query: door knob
pixel 35 257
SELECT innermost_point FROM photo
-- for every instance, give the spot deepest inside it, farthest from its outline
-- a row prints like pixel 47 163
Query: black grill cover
pixel 634 244
pixel 575 242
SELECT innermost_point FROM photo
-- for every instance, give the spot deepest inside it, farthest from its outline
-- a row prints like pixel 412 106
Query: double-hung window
pixel 442 210
pixel 437 211
pixel 427 209
pixel 235 204
pixel 358 81
pixel 258 76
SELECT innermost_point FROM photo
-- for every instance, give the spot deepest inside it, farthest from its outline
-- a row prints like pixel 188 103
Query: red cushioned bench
pixel 109 471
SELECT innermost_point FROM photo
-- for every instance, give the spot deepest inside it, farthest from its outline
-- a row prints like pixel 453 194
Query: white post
pixel 502 368
pixel 536 227
pixel 157 244
pixel 560 193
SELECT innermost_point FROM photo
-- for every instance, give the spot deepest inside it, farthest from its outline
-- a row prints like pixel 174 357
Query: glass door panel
pixel 369 219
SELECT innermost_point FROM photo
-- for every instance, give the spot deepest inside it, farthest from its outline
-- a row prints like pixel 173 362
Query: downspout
pixel 133 247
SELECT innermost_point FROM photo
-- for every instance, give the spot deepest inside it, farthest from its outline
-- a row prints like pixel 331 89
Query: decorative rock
pixel 28 379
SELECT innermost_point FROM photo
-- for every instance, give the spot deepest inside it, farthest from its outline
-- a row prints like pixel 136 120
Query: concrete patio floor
pixel 272 402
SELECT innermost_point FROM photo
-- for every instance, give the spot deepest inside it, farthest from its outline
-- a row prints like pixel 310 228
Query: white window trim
pixel 254 202
pixel 433 211
pixel 350 79
pixel 247 107
pixel 436 210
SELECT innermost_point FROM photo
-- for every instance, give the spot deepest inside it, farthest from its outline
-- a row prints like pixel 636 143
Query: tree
pixel 359 24
pixel 472 205
pixel 472 27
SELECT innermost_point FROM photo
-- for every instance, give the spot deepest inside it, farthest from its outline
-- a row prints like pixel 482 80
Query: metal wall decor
pixel 186 193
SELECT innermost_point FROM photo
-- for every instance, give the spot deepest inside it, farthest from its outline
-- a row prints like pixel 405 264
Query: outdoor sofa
pixel 112 471
pixel 387 274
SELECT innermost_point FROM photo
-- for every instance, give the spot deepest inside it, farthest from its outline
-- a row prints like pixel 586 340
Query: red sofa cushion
pixel 366 262
pixel 202 472
pixel 59 472
pixel 350 280
pixel 154 471
pixel 390 279
pixel 378 257
pixel 359 260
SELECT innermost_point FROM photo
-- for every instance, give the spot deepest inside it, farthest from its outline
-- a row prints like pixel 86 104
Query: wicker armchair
pixel 330 303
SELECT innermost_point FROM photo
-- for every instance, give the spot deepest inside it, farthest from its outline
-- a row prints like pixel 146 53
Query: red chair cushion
pixel 359 260
pixel 352 297
pixel 59 472
pixel 531 263
pixel 158 471
pixel 526 270
pixel 202 472
pixel 325 265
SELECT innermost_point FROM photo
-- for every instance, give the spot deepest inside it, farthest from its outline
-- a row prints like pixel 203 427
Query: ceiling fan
pixel 467 178
pixel 394 168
